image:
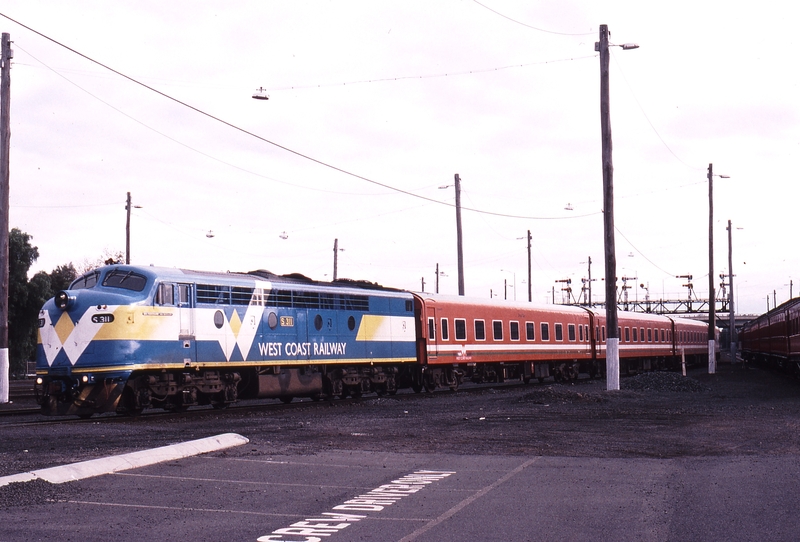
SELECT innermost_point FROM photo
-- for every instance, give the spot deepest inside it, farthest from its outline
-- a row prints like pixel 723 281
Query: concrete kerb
pixel 133 460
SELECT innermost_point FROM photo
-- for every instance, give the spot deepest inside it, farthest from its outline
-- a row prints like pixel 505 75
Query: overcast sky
pixel 375 105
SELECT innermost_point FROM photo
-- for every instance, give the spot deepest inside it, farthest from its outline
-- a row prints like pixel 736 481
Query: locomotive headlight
pixel 63 300
pixel 39 381
pixel 85 379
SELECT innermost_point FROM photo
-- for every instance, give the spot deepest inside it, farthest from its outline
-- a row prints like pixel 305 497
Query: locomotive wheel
pixel 416 387
pixel 526 380
pixel 129 407
pixel 286 399
pixel 315 397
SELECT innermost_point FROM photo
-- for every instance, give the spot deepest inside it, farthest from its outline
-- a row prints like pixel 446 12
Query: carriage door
pixel 183 299
pixel 433 336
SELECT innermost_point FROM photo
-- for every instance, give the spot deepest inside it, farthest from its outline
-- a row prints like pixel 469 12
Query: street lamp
pixel 712 301
pixel 612 330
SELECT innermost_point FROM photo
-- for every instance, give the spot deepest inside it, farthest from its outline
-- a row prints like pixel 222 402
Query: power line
pixel 265 140
pixel 529 26
pixel 431 76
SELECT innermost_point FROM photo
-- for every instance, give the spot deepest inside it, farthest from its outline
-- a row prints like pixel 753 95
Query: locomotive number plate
pixel 102 318
pixel 287 321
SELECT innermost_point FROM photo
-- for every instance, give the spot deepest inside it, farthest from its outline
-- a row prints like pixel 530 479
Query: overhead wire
pixel 270 142
pixel 529 26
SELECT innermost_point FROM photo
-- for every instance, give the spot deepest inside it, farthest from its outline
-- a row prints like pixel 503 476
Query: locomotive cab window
pixel 461 329
pixel 165 295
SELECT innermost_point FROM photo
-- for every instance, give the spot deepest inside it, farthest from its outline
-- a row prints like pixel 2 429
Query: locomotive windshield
pixel 125 279
pixel 88 280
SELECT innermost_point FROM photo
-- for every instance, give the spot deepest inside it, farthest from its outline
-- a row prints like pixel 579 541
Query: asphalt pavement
pixel 246 494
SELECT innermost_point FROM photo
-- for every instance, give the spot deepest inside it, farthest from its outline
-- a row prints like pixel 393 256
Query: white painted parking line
pixel 344 515
pixel 469 500
pixel 143 458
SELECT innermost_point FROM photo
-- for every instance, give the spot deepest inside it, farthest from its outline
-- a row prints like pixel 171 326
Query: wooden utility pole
pixel 590 282
pixel 335 258
pixel 5 147
pixel 128 230
pixel 732 313
pixel 530 291
pixel 712 302
pixel 612 332
pixel 458 237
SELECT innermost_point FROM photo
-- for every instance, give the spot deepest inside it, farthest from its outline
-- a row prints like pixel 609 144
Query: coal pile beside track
pixel 662 381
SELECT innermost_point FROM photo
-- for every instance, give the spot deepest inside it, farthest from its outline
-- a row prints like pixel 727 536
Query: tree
pixel 21 314
pixel 25 298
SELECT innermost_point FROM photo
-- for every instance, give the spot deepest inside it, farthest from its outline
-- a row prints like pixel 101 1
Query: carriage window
pixel 570 332
pixel 431 329
pixel 480 330
pixel 588 337
pixel 650 335
pixel 604 333
pixel 461 329
pixel 559 332
pixel 580 330
pixel 497 330
pixel 641 333
pixel 662 336
pixel 530 331
pixel 628 334
pixel 445 330
pixel 635 335
pixel 545 328
pixel 513 330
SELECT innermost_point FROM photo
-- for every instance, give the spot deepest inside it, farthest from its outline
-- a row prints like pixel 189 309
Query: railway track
pixel 10 417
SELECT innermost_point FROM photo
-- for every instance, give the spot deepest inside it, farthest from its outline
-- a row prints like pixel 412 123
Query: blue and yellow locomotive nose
pixel 74 375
